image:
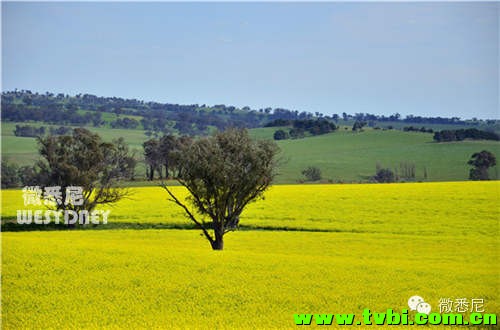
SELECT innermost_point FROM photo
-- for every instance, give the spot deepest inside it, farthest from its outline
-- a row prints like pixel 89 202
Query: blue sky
pixel 430 59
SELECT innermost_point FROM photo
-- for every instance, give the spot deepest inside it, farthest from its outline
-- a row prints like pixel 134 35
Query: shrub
pixel 384 175
pixel 312 173
pixel 9 175
pixel 296 133
pixel 281 135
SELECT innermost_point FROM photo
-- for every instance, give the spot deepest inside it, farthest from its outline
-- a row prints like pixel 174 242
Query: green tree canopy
pixel 223 173
pixel 84 160
pixel 481 162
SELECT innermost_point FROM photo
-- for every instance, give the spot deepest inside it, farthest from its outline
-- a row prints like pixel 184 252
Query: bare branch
pixel 190 215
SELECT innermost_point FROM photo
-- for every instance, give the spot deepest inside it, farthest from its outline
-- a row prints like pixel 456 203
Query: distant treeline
pixel 312 126
pixel 31 131
pixel 22 106
pixel 462 134
pixel 166 118
pixel 53 114
pixel 416 129
pixel 128 123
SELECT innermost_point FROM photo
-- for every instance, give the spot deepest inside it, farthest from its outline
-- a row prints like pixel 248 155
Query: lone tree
pixel 84 160
pixel 222 173
pixel 358 126
pixel 481 161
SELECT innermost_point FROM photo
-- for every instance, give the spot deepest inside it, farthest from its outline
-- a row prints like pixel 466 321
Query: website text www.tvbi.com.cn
pixel 393 318
pixel 458 311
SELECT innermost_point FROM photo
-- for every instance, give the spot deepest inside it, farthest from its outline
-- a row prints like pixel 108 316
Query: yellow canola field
pixel 385 243
pixel 450 208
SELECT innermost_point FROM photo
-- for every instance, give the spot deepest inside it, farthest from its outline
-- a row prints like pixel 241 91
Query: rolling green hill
pixel 348 156
pixel 342 156
pixel 22 150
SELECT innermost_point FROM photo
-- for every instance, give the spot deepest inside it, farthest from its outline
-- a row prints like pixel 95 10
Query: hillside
pixel 342 156
pixel 347 156
pixel 191 119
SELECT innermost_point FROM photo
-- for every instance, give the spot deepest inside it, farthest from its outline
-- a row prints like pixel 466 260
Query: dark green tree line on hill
pixel 462 134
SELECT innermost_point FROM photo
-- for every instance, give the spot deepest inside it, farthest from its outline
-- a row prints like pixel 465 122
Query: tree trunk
pixel 218 243
pixel 484 173
pixel 151 173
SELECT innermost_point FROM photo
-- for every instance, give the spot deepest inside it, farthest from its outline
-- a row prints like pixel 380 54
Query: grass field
pixel 341 156
pixel 23 150
pixel 384 243
pixel 348 156
pixel 134 137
